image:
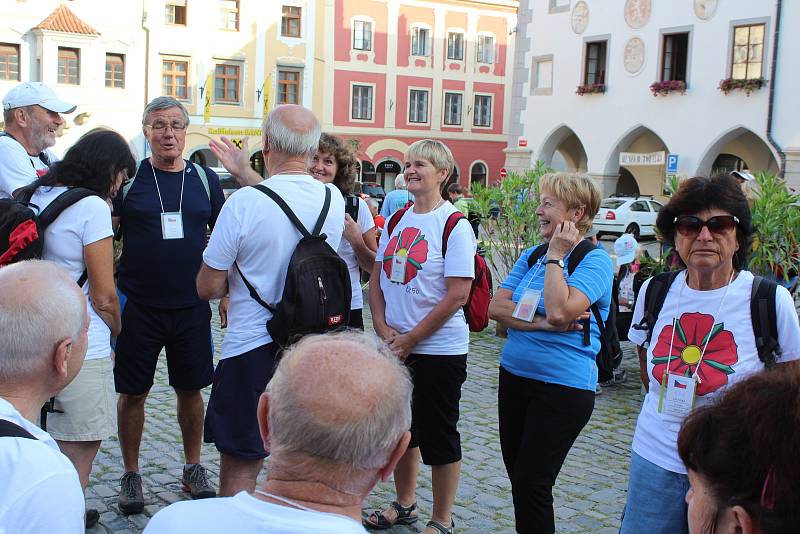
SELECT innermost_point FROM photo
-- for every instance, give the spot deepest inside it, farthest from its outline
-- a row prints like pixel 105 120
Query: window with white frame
pixel 542 75
pixel 175 12
pixel 483 111
pixel 362 102
pixel 452 109
pixel 420 41
pixel 455 46
pixel 229 15
pixel 484 49
pixel 362 35
pixel 418 106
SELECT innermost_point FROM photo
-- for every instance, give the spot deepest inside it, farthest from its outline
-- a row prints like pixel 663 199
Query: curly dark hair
pixel 346 161
pixel 699 194
pixel 92 162
pixel 744 447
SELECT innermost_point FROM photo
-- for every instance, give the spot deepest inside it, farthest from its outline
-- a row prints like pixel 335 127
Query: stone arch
pixel 385 144
pixel 566 142
pixel 743 143
pixel 640 138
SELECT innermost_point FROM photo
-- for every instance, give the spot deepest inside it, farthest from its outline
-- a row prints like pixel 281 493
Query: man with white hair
pixel 252 243
pixel 43 338
pixel 334 431
pixel 396 199
pixel 31 112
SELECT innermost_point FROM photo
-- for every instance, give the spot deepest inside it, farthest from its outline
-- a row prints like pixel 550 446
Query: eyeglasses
pixel 689 225
pixel 161 127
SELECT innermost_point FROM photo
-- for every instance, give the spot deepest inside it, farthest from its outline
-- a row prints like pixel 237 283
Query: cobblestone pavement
pixel 589 493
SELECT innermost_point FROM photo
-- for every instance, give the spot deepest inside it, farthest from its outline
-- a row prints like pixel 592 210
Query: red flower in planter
pixel 413 246
pixel 692 331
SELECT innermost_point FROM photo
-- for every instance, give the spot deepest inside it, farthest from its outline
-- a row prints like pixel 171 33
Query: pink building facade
pixel 399 71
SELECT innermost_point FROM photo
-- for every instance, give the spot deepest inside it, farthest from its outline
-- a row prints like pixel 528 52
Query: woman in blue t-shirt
pixel 548 374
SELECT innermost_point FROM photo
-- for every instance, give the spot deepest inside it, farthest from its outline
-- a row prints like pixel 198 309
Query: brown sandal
pixel 378 521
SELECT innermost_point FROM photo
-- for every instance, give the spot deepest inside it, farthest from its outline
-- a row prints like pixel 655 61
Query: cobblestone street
pixel 589 494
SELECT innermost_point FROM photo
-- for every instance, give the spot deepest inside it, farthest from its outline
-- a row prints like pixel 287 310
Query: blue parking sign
pixel 672 163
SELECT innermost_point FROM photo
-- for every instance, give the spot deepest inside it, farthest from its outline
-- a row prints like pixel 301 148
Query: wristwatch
pixel 560 263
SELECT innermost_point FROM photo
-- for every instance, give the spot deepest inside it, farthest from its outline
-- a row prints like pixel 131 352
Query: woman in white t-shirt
pixel 80 240
pixel 700 344
pixel 335 163
pixel 416 295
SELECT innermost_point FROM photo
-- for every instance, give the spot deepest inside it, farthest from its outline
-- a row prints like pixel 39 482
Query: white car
pixel 630 215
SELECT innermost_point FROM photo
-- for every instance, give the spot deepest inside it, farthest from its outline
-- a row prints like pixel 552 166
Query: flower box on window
pixel 747 85
pixel 593 88
pixel 668 86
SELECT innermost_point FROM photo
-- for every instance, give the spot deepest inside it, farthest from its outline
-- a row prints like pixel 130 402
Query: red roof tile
pixel 64 20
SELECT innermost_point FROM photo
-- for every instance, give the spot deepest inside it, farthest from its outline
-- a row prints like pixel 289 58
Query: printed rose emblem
pixel 692 332
pixel 413 246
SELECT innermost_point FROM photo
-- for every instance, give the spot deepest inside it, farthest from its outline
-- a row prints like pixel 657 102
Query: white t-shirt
pixel 730 356
pixel 409 303
pixel 347 253
pixel 39 487
pixel 243 514
pixel 17 167
pixel 83 223
pixel 254 232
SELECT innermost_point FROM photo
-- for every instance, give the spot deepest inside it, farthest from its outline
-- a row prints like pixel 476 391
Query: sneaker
pixel 91 518
pixel 196 483
pixel 598 390
pixel 131 498
pixel 620 376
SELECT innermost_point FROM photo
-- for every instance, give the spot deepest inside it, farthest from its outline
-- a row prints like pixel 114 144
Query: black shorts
pixel 231 420
pixel 185 333
pixel 435 406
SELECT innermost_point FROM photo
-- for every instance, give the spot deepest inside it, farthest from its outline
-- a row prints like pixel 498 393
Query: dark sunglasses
pixel 690 225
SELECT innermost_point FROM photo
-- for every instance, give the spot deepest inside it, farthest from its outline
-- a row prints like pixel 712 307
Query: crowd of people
pixel 337 412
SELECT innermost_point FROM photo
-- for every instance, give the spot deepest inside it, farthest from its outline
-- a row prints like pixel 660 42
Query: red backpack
pixel 476 310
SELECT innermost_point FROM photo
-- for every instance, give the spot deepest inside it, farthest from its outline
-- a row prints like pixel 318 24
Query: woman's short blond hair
pixel 576 191
pixel 434 151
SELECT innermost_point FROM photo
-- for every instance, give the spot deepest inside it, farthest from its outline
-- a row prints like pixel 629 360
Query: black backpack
pixel 763 316
pixel 610 354
pixel 22 231
pixel 316 295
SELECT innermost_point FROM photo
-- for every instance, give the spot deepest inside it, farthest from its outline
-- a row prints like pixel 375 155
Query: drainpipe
pixel 146 65
pixel 771 105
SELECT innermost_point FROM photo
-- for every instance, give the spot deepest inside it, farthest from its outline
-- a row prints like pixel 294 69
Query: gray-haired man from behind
pixel 335 416
pixel 43 341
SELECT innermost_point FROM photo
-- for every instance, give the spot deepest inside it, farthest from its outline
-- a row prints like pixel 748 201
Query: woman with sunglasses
pixel 701 343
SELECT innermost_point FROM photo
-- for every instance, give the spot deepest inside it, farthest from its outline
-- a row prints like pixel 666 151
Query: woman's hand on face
pixel 401 344
pixel 352 230
pixel 564 239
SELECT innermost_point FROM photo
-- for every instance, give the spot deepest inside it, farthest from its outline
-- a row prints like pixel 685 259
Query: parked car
pixel 630 215
pixel 370 190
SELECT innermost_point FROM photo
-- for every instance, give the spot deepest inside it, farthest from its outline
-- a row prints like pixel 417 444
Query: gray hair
pixel 400 182
pixel 362 439
pixel 40 305
pixel 288 141
pixel 163 102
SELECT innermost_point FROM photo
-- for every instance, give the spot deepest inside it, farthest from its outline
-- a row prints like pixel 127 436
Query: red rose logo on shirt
pixel 691 333
pixel 411 244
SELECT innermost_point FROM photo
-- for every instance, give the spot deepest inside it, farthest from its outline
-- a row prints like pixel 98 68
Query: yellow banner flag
pixel 209 89
pixel 266 96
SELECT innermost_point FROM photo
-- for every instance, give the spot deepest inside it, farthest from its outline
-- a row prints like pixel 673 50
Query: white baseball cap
pixel 38 94
pixel 625 249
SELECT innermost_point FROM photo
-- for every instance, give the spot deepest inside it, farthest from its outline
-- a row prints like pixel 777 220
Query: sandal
pixel 378 521
pixel 440 527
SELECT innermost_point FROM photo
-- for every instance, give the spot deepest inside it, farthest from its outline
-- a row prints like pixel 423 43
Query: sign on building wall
pixel 632 159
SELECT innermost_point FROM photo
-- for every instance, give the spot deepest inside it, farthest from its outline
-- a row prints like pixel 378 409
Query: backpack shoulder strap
pixel 127 187
pixel 62 202
pixel 203 178
pixel 537 254
pixel 449 225
pixel 578 253
pixel 253 293
pixel 395 219
pixel 285 207
pixel 763 315
pixel 13 430
pixel 654 299
pixel 326 206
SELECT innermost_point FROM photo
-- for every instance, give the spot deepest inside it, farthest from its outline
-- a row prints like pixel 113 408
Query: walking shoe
pixel 196 483
pixel 620 376
pixel 91 518
pixel 131 498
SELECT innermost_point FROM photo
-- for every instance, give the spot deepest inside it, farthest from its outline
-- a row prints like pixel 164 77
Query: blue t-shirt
pixel 394 201
pixel 159 272
pixel 558 357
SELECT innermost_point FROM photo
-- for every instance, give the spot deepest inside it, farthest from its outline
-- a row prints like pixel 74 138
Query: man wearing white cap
pixel 31 112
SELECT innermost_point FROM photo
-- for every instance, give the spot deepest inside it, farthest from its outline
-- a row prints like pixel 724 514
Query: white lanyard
pixel 284 500
pixel 183 179
pixel 695 375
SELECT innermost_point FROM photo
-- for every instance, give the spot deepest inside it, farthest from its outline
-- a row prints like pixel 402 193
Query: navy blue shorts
pixel 185 333
pixel 231 420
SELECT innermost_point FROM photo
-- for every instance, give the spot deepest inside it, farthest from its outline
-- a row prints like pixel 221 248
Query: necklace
pixel 441 201
pixel 284 500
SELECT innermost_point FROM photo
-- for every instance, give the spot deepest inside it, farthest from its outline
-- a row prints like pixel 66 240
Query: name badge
pixel 526 307
pixel 677 395
pixel 398 268
pixel 172 225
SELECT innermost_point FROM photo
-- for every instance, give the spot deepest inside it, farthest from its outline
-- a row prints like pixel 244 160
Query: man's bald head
pixel 292 131
pixel 40 306
pixel 341 398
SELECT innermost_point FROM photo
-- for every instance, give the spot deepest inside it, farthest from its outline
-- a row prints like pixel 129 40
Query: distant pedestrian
pixel 396 199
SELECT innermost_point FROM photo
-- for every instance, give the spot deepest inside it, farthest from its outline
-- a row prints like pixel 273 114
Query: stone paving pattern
pixel 589 494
